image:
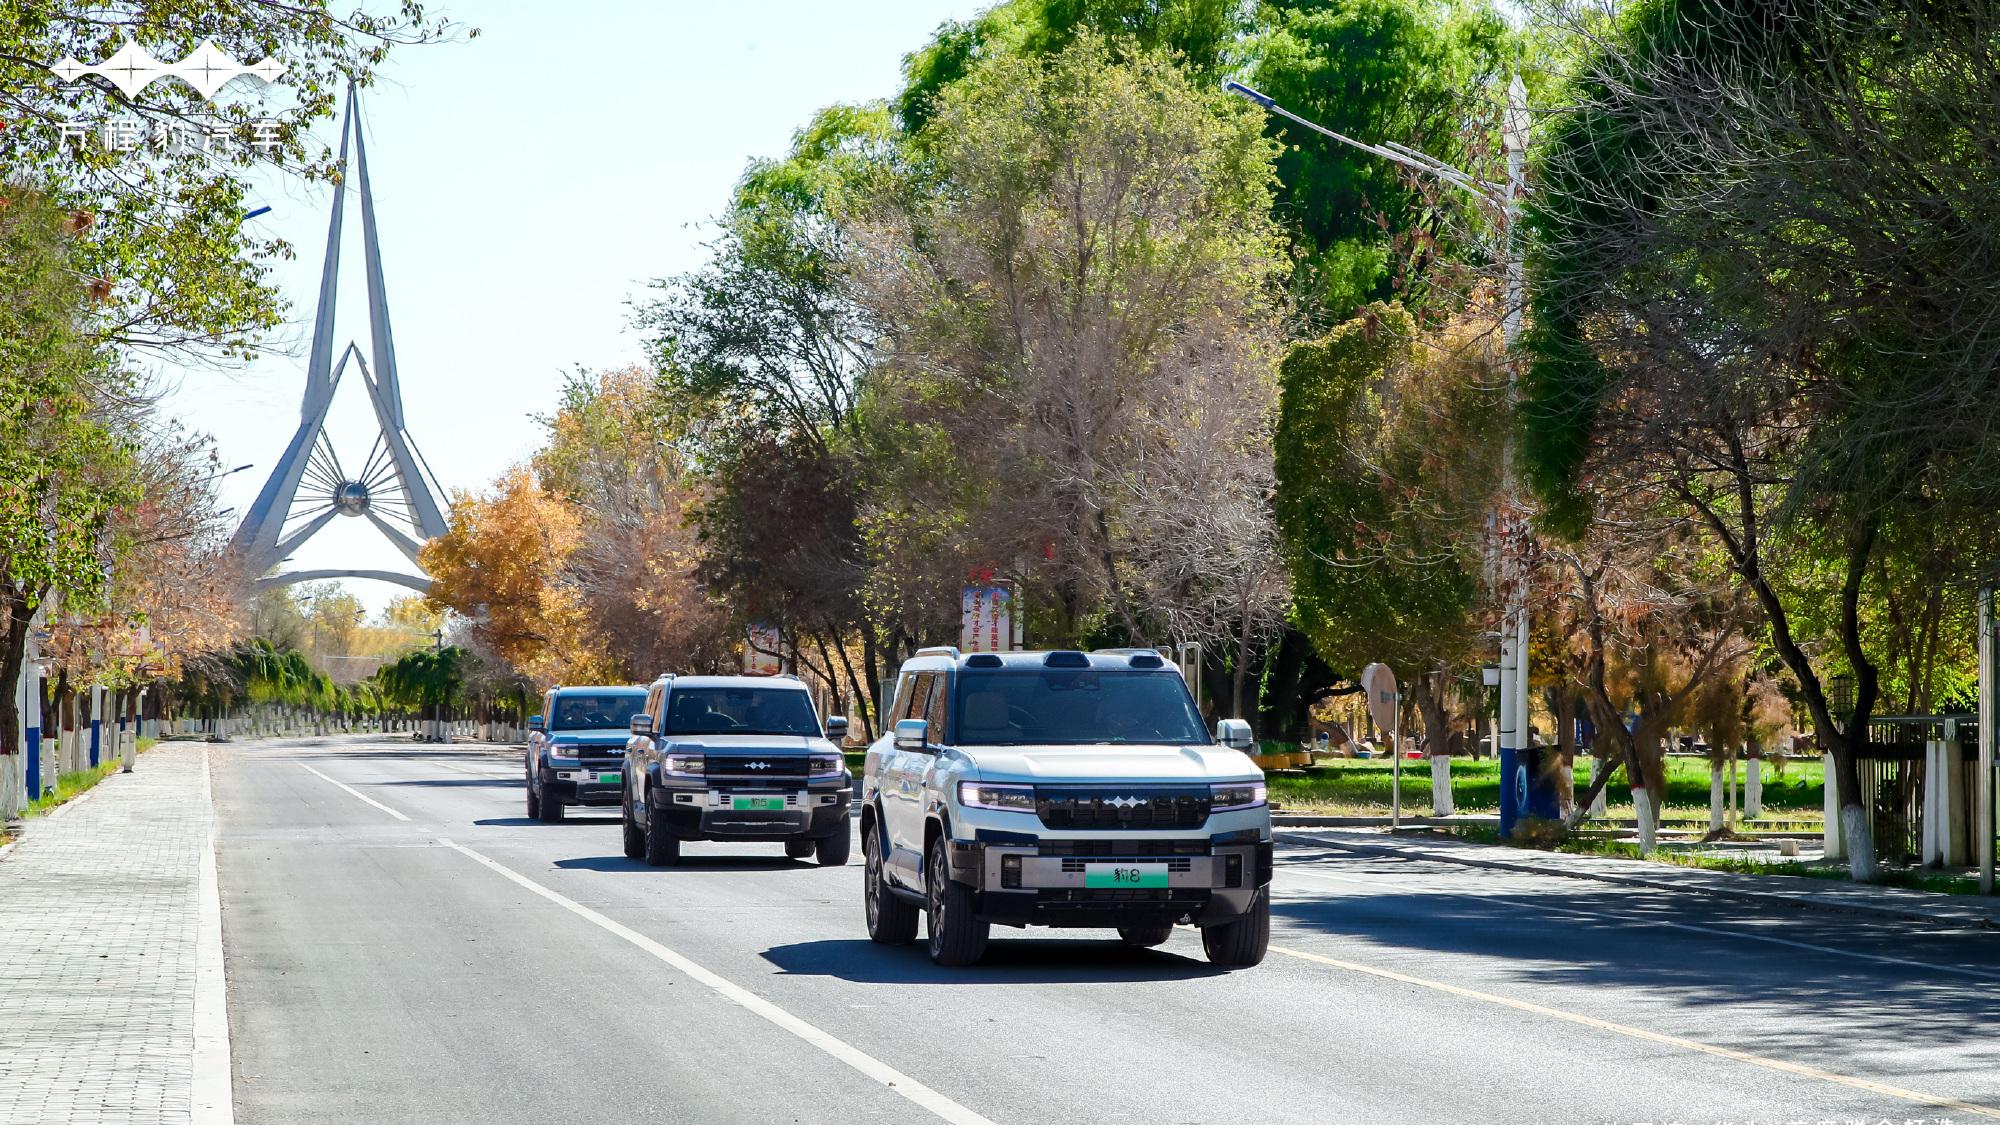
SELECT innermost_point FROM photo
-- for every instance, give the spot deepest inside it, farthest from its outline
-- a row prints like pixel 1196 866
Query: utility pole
pixel 1518 771
pixel 1982 813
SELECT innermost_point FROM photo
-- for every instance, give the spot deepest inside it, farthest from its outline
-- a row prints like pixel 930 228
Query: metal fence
pixel 1891 769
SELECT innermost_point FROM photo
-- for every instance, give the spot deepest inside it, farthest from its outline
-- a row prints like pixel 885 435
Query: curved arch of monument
pixel 419 584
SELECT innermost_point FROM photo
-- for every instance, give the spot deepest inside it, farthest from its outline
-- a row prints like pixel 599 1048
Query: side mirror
pixel 1235 734
pixel 913 734
pixel 535 723
pixel 641 724
pixel 836 728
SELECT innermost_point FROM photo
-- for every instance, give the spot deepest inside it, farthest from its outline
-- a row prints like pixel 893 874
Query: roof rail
pixel 1127 651
pixel 940 650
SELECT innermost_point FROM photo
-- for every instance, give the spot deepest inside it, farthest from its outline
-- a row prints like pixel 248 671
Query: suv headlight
pixel 684 763
pixel 826 766
pixel 1236 795
pixel 559 749
pixel 1005 798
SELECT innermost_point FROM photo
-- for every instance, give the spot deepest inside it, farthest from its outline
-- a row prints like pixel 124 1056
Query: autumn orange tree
pixel 501 565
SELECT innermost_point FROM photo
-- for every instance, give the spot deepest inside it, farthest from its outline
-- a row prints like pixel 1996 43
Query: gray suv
pixel 735 758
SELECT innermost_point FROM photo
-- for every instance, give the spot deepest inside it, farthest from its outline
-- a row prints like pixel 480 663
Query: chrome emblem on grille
pixel 757 765
pixel 1125 802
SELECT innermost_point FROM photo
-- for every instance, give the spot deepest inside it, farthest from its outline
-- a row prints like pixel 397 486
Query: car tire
pixel 799 849
pixel 534 798
pixel 551 811
pixel 663 848
pixel 833 851
pixel 635 840
pixel 891 920
pixel 1146 937
pixel 1242 943
pixel 956 937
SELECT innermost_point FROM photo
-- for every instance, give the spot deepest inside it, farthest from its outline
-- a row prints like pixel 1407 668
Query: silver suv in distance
pixel 1062 789
pixel 735 758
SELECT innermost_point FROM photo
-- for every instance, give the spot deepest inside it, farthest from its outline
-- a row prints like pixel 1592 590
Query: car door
pixel 903 773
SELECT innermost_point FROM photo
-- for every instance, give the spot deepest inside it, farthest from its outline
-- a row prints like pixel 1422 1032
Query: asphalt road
pixel 403 946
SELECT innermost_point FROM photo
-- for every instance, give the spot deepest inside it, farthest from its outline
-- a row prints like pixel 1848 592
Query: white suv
pixel 1062 789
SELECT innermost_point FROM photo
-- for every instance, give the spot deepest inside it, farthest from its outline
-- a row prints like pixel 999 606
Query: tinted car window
pixel 1058 706
pixel 595 712
pixel 740 710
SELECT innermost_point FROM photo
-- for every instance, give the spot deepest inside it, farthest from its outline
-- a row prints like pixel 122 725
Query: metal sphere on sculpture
pixel 352 499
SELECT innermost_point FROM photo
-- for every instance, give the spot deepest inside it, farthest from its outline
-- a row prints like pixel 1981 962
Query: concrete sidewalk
pixel 1790 891
pixel 111 985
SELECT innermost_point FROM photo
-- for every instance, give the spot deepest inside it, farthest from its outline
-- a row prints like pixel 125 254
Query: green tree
pixel 1386 470
pixel 1764 264
pixel 63 467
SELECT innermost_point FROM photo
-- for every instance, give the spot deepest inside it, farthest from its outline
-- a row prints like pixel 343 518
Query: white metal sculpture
pixel 394 488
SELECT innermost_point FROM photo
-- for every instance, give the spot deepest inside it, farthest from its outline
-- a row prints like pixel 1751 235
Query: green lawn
pixel 1360 787
pixel 70 785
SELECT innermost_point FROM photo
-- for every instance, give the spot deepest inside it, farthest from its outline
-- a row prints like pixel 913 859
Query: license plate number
pixel 610 778
pixel 1125 875
pixel 758 804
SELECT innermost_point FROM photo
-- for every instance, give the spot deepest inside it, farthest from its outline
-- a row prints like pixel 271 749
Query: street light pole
pixel 1504 201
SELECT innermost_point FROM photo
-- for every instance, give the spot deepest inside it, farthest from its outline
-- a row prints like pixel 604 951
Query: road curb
pixel 1765 898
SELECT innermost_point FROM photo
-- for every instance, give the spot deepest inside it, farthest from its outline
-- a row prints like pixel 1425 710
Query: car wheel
pixel 552 808
pixel 1241 944
pixel 799 849
pixel 956 937
pixel 834 850
pixel 1146 937
pixel 891 920
pixel 663 848
pixel 635 840
pixel 534 798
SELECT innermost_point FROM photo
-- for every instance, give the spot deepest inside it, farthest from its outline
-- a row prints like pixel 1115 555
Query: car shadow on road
pixel 1030 961
pixel 528 821
pixel 457 782
pixel 700 863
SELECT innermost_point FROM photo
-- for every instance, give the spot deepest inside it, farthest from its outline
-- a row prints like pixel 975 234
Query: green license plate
pixel 610 778
pixel 758 804
pixel 1125 875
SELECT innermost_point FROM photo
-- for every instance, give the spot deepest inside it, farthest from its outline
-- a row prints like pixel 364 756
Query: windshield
pixel 741 710
pixel 1048 705
pixel 596 712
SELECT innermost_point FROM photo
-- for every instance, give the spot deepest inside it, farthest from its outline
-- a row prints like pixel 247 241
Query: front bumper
pixel 1049 882
pixel 746 813
pixel 584 783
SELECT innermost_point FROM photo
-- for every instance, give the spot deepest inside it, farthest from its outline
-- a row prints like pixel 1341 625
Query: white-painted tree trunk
pixel 1753 789
pixel 1859 837
pixel 1566 789
pixel 1830 837
pixel 1716 782
pixel 1597 767
pixel 1642 805
pixel 1441 800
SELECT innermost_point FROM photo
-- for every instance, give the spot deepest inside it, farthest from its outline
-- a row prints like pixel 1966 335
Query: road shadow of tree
pixel 1707 986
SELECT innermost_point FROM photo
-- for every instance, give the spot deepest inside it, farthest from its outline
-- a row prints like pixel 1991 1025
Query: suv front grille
pixel 1121 849
pixel 779 769
pixel 1124 807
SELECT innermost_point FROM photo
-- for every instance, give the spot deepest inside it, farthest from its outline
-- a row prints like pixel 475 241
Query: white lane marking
pixel 212 1096
pixel 353 792
pixel 1300 869
pixel 867 1064
pixel 1798 1069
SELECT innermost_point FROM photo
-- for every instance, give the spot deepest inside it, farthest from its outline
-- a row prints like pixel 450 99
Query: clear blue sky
pixel 528 183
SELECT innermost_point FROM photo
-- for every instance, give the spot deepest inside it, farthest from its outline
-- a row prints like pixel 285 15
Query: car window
pixel 593 711
pixel 936 709
pixel 1051 706
pixel 906 692
pixel 740 710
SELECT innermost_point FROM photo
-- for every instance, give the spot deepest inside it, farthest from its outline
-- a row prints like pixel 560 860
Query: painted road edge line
pixel 869 1066
pixel 213 1095
pixel 353 792
pixel 1798 1069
